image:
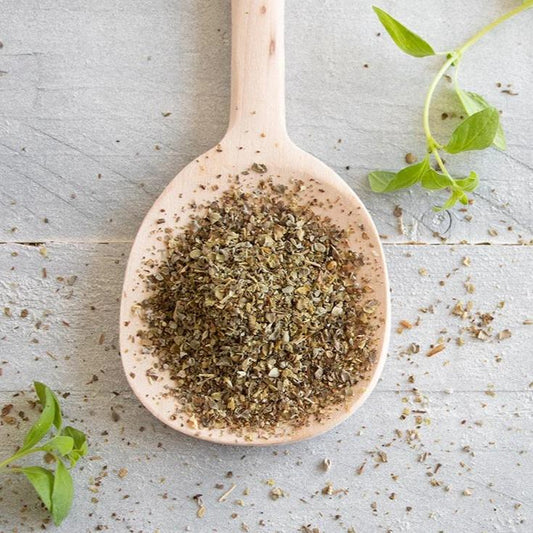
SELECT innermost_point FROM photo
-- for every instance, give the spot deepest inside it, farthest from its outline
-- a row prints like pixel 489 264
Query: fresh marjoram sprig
pixel 67 445
pixel 478 131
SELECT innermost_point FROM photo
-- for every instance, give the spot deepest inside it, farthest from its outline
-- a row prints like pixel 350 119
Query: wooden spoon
pixel 256 134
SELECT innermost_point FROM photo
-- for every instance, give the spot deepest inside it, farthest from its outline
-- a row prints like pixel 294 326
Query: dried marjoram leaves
pixel 258 314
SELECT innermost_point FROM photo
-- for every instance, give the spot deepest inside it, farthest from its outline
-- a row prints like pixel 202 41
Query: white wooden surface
pixel 79 76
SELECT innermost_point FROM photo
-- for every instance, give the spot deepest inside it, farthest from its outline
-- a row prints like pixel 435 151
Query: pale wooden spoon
pixel 256 134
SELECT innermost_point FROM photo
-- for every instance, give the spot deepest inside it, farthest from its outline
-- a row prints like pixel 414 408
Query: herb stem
pixel 506 16
pixel 431 142
pixel 454 57
pixel 16 456
pixel 456 78
pixel 440 162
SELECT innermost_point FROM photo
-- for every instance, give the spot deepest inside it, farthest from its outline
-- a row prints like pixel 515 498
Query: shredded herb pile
pixel 258 313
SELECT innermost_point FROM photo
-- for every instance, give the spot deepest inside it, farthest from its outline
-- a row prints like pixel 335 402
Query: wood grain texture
pixel 85 86
pixel 488 455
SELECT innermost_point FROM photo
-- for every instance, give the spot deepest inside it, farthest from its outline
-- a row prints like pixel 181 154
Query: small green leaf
pixel 61 444
pixel 80 447
pixel 449 55
pixel 42 480
pixel 410 175
pixel 473 103
pixel 405 39
pixel 45 420
pixel 434 180
pixel 463 199
pixel 80 439
pixel 62 493
pixel 468 184
pixel 40 389
pixel 379 180
pixel 452 200
pixel 476 132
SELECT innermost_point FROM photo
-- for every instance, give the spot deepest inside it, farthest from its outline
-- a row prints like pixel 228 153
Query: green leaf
pixel 476 132
pixel 42 480
pixel 80 447
pixel 468 184
pixel 405 39
pixel 45 420
pixel 455 196
pixel 434 180
pixel 62 493
pixel 40 389
pixel 80 439
pixel 410 175
pixel 61 444
pixel 379 180
pixel 473 103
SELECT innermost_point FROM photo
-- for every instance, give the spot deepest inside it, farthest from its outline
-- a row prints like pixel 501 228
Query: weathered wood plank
pixel 83 94
pixel 482 445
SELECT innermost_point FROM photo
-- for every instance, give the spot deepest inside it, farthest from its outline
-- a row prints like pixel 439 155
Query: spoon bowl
pixel 256 134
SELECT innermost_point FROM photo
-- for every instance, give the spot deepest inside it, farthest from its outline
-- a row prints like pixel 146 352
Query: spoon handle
pixel 257 69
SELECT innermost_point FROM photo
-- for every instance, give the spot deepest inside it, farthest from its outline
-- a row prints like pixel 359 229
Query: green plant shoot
pixel 65 447
pixel 478 131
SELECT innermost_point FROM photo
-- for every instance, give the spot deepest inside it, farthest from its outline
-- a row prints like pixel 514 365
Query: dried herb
pixel 436 349
pixel 258 313
pixel 260 168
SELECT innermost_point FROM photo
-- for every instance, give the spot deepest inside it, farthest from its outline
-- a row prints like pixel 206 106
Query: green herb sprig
pixel 66 446
pixel 478 131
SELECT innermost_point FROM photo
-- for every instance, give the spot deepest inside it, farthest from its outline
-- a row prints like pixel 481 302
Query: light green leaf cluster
pixel 478 131
pixel 68 445
pixel 428 178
